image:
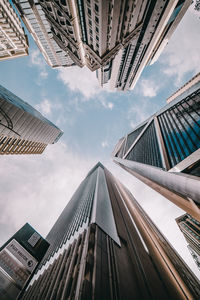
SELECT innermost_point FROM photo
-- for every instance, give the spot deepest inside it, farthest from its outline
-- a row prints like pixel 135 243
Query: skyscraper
pixel 34 18
pixel 190 228
pixel 23 130
pixel 106 27
pixel 185 87
pixel 63 20
pixel 13 41
pixel 104 246
pixel 117 39
pixel 157 20
pixel 164 151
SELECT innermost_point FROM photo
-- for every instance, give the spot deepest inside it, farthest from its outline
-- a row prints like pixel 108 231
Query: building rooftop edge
pixel 184 87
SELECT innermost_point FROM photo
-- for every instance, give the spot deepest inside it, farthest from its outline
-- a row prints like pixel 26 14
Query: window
pixel 96 7
pixel 90 22
pixel 97 29
pixel 97 38
pixel 96 20
pixel 89 11
pixel 59 13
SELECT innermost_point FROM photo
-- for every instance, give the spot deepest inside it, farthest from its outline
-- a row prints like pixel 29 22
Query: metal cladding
pixel 190 228
pixel 90 203
pixel 23 130
pixel 164 151
pixel 129 259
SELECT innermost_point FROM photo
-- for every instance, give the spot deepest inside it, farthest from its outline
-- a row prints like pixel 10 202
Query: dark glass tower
pixel 104 246
pixel 164 151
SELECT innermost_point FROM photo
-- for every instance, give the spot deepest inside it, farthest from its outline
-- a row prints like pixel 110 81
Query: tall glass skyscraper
pixel 164 151
pixel 104 246
pixel 23 129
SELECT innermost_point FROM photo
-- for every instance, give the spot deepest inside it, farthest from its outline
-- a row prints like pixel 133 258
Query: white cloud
pixel 182 54
pixel 36 59
pixel 45 107
pixel 106 104
pixel 138 113
pixel 85 82
pixel 132 124
pixel 110 105
pixel 104 144
pixel 36 188
pixel 81 80
pixel 148 88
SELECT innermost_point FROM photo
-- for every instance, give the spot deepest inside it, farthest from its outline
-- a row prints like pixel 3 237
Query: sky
pixel 36 188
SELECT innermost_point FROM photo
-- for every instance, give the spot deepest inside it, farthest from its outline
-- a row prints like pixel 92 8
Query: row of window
pixel 180 127
pixel 194 234
pixel 89 13
pixel 42 38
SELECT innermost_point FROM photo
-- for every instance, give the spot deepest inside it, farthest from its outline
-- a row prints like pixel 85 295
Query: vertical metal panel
pixel 102 213
pixel 181 282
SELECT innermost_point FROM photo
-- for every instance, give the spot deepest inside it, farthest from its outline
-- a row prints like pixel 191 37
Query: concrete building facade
pixel 190 228
pixel 117 39
pixel 63 19
pixel 104 246
pixel 34 18
pixel 23 130
pixel 13 41
pixel 145 30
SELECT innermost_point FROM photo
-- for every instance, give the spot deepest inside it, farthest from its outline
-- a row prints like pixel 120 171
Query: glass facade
pixel 132 137
pixel 146 150
pixel 171 136
pixel 180 127
pixel 194 169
